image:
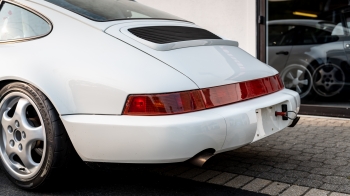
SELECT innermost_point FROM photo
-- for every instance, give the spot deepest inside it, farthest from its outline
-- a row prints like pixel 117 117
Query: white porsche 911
pixel 119 82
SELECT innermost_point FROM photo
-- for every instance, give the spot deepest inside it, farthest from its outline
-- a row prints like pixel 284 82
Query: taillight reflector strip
pixel 190 101
pixel 232 93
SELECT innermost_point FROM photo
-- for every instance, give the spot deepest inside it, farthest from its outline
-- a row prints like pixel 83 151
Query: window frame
pixel 2 2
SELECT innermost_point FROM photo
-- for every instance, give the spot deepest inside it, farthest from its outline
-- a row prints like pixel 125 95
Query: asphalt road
pixel 85 181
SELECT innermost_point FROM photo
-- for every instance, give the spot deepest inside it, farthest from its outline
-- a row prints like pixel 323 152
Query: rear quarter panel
pixel 83 70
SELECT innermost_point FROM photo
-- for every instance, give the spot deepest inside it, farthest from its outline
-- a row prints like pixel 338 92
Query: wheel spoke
pixel 20 112
pixel 5 120
pixel 336 81
pixel 299 73
pixel 327 87
pixel 298 89
pixel 33 134
pixel 9 150
pixel 322 72
pixel 290 76
pixel 304 82
pixel 319 82
pixel 26 158
pixel 334 70
pixel 289 85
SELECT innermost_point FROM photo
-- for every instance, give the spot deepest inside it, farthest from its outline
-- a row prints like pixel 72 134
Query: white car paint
pixel 87 69
pixel 176 138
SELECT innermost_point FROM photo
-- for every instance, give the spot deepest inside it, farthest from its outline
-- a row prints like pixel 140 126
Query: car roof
pixel 98 25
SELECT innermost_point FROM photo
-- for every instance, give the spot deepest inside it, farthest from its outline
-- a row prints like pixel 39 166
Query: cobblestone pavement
pixel 312 158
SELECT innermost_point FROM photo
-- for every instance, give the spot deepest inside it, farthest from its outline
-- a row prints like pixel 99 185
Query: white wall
pixel 232 19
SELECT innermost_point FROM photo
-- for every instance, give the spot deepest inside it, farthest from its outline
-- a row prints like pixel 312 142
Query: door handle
pixel 283 52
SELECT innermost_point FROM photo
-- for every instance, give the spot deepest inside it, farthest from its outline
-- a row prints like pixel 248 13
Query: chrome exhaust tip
pixel 202 157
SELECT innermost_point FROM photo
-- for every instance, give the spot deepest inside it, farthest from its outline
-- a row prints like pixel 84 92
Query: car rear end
pixel 232 101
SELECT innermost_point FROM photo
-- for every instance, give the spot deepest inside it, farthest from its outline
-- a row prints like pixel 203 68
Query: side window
pixel 320 35
pixel 281 35
pixel 18 23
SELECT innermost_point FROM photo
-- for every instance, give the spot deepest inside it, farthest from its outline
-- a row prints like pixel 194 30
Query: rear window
pixel 108 10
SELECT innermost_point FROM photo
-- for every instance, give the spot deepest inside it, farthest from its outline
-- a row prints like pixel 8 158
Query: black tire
pixel 58 145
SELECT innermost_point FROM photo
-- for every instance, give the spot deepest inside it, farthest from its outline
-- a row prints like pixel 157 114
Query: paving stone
pixel 260 168
pixel 316 192
pixel 293 161
pixel 239 181
pixel 275 188
pixel 323 171
pixel 192 173
pixel 206 176
pixel 336 180
pixel 302 168
pixel 315 177
pixel 336 162
pixel 300 157
pixel 312 164
pixel 344 189
pixel 323 155
pixel 295 191
pixel 334 150
pixel 309 182
pixel 296 174
pixel 338 194
pixel 222 178
pixel 313 151
pixel 343 154
pixel 345 174
pixel 271 176
pixel 329 187
pixel 278 171
pixel 286 166
pixel 251 173
pixel 317 159
pixel 235 170
pixel 256 185
pixel 342 158
pixel 268 153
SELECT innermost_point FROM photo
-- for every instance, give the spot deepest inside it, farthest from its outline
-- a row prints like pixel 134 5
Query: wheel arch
pixel 5 82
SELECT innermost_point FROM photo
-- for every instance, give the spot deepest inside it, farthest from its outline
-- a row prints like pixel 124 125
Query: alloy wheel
pixel 23 138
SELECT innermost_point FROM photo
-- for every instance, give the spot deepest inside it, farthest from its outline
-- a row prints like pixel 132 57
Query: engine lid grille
pixel 171 34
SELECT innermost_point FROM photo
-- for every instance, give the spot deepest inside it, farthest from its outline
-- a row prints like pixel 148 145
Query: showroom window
pixel 308 42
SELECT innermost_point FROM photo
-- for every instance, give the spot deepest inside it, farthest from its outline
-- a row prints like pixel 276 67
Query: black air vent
pixel 170 34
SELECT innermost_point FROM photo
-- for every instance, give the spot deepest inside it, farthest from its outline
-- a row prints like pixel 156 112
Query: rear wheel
pixel 33 141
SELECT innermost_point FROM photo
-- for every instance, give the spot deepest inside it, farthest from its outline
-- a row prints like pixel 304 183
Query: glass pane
pixel 107 10
pixel 18 23
pixel 309 44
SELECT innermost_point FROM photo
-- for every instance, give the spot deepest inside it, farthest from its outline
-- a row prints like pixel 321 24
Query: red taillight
pixel 162 104
pixel 232 93
pixel 190 101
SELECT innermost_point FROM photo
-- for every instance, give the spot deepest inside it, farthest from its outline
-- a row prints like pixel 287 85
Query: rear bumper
pixel 176 138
